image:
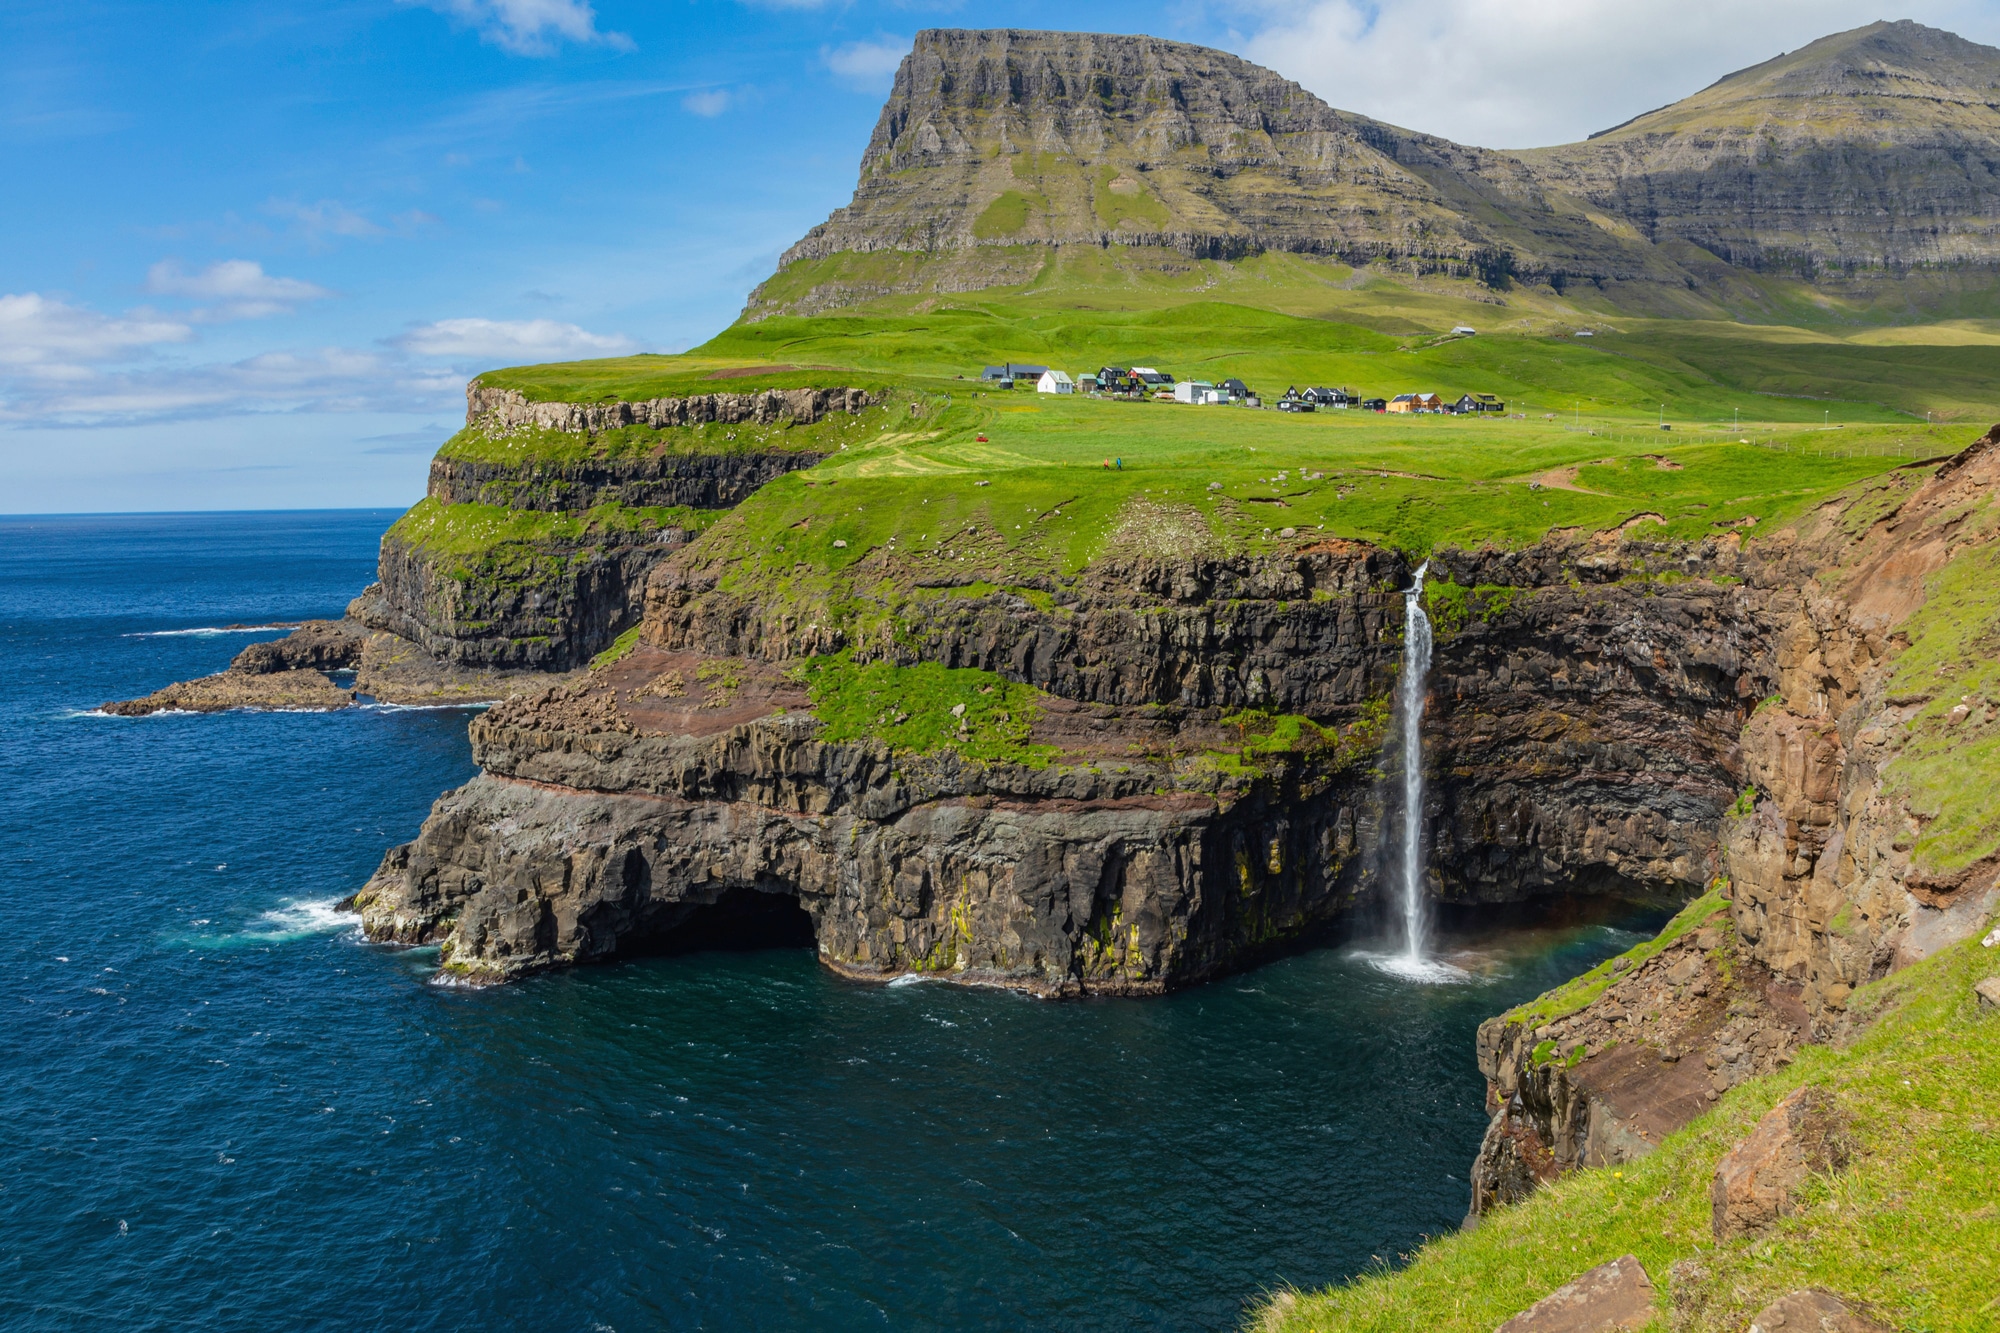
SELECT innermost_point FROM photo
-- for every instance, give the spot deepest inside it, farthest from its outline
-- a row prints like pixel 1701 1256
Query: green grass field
pixel 1034 497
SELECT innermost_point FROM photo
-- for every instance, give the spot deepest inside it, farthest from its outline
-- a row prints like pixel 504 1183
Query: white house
pixel 1055 381
pixel 1193 391
pixel 1465 331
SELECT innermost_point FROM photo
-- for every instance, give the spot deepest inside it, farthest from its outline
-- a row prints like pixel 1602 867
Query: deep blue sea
pixel 220 1109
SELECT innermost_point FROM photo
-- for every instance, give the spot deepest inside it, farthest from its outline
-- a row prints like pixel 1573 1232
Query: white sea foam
pixel 377 706
pixel 908 979
pixel 296 920
pixel 207 630
pixel 1423 971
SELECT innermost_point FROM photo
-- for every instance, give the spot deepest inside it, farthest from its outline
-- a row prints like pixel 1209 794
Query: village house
pixel 1416 402
pixel 1472 403
pixel 1055 381
pixel 1003 376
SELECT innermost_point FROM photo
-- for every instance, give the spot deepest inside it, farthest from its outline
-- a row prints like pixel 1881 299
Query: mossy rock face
pixel 477 586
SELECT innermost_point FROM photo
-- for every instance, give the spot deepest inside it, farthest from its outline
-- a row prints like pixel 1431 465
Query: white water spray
pixel 1410 710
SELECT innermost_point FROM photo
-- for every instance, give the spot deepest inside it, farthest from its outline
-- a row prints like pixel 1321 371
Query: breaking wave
pixel 296 920
pixel 206 630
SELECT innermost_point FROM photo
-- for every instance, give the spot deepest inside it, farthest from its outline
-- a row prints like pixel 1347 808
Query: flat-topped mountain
pixel 1000 149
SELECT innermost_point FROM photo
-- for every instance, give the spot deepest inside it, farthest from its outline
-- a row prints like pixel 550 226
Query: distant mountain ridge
pixel 1873 149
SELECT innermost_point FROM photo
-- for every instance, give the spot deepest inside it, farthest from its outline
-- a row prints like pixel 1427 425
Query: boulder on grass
pixel 1757 1179
pixel 1813 1310
pixel 1608 1298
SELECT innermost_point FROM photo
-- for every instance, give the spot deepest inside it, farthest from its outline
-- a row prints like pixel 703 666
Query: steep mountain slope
pixel 1877 148
pixel 1002 158
pixel 996 140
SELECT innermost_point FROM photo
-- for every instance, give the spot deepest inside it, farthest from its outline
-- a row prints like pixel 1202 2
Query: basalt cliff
pixel 1586 733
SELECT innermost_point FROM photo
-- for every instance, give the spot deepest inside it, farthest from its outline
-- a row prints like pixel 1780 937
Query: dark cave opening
pixel 741 920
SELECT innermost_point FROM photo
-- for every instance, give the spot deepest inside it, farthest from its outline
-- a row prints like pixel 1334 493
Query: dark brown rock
pixel 1756 1181
pixel 1609 1297
pixel 301 689
pixel 315 645
pixel 1813 1310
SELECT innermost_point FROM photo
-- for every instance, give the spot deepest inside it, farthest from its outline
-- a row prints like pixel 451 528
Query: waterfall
pixel 1410 720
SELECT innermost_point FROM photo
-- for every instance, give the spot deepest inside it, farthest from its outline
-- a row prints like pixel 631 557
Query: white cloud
pixel 1522 73
pixel 50 339
pixel 869 65
pixel 709 102
pixel 241 287
pixel 516 340
pixel 330 379
pixel 530 27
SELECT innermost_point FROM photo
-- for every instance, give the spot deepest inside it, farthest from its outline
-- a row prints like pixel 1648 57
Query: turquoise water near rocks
pixel 222 1110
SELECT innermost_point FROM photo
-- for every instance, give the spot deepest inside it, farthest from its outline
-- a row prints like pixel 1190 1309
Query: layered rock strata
pixel 603 813
pixel 502 410
pixel 1868 152
pixel 552 603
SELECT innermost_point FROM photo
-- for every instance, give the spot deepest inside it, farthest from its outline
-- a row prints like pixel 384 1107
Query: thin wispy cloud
pixel 866 65
pixel 318 221
pixel 710 103
pixel 530 27
pixel 462 340
pixel 65 365
pixel 330 379
pixel 240 288
pixel 423 440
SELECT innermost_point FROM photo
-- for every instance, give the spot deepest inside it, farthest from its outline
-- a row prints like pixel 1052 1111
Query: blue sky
pixel 251 251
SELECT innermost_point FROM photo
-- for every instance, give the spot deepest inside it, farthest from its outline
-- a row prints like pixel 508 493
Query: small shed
pixel 1055 381
pixel 1464 330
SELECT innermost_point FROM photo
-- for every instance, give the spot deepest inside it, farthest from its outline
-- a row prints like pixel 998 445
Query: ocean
pixel 223 1109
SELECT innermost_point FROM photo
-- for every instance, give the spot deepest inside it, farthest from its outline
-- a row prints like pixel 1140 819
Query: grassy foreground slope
pixel 1911 1225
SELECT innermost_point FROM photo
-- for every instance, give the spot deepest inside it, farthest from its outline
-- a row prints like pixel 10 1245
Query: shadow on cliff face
pixel 741 920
